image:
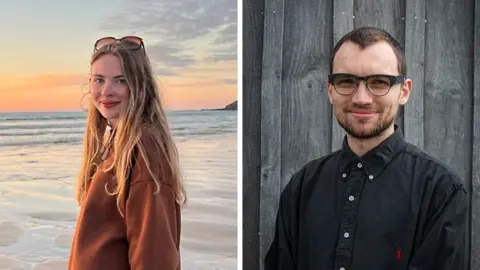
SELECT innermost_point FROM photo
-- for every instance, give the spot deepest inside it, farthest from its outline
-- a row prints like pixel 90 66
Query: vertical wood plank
pixel 343 22
pixel 475 191
pixel 306 117
pixel 415 22
pixel 448 87
pixel 448 82
pixel 270 137
pixel 252 77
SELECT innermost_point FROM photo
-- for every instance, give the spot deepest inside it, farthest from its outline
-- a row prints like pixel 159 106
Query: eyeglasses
pixel 130 42
pixel 377 84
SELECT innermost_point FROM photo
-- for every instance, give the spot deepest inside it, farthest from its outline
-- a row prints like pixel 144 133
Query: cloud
pixel 230 81
pixel 165 71
pixel 173 28
pixel 226 41
pixel 169 56
pixel 42 82
pixel 227 35
pixel 230 48
pixel 218 57
pixel 199 83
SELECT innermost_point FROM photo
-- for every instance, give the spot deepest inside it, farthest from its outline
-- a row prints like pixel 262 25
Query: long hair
pixel 144 117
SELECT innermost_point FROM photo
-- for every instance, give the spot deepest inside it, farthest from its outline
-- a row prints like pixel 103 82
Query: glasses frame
pixel 393 81
pixel 119 40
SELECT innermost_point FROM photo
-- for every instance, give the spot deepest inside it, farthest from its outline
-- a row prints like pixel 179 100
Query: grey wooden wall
pixel 287 119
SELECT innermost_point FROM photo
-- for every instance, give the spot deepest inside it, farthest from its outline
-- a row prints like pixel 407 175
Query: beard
pixel 385 121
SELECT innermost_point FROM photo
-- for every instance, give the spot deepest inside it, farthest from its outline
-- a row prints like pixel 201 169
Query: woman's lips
pixel 110 104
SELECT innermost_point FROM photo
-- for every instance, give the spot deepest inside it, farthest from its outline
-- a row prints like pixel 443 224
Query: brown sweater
pixel 147 238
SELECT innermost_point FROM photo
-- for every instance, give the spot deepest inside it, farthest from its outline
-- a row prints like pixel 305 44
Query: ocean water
pixel 27 128
pixel 40 154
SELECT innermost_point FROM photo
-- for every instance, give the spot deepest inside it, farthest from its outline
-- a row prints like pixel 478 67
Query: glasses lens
pixel 379 85
pixel 344 84
pixel 103 42
pixel 132 42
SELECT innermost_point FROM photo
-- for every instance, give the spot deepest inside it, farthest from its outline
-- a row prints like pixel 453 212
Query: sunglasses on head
pixel 129 42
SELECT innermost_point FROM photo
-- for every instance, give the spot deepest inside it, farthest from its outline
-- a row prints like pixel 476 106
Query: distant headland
pixel 230 107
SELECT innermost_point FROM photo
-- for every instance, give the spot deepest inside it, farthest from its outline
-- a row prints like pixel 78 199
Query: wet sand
pixel 38 211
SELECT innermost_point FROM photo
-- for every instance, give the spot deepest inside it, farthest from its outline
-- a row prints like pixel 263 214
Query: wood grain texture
pixel 415 23
pixel 448 87
pixel 448 82
pixel 475 172
pixel 270 137
pixel 306 112
pixel 343 22
pixel 252 79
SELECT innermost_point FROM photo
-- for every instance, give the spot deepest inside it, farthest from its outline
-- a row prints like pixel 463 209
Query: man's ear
pixel 329 91
pixel 405 91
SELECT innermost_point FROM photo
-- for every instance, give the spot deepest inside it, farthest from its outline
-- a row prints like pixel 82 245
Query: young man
pixel 379 202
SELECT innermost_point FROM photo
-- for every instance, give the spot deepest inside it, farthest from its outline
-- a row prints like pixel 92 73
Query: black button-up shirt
pixel 394 208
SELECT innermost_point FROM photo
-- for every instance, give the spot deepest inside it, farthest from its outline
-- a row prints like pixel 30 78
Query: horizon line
pixel 77 111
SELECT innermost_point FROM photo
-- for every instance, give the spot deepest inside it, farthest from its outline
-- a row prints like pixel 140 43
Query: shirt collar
pixel 377 159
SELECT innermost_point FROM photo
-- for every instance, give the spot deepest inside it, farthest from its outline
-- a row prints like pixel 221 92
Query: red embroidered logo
pixel 399 255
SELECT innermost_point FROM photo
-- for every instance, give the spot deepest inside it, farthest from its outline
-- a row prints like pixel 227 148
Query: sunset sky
pixel 46 49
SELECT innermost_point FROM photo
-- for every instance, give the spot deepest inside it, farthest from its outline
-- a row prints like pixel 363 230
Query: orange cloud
pixel 193 84
pixel 223 70
pixel 177 96
pixel 12 85
pixel 202 98
pixel 58 98
pixel 195 89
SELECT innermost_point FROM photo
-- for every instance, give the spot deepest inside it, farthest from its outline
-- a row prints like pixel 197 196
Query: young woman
pixel 129 187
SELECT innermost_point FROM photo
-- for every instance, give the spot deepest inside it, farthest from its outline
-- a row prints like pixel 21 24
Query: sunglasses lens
pixel 129 42
pixel 132 42
pixel 103 42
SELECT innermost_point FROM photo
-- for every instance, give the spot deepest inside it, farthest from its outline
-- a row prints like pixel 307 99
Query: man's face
pixel 362 114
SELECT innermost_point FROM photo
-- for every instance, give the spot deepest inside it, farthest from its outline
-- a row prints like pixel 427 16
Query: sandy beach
pixel 38 211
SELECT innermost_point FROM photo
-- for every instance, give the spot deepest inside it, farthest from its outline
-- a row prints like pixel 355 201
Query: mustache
pixel 364 108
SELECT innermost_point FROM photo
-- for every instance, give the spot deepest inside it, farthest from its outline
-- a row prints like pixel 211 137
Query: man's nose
pixel 362 95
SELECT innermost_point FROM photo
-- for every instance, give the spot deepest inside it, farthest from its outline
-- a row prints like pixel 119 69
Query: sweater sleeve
pixel 152 227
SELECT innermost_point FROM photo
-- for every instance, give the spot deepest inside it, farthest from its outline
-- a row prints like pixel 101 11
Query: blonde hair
pixel 144 120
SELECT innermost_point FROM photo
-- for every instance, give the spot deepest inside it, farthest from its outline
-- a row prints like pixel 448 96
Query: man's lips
pixel 362 113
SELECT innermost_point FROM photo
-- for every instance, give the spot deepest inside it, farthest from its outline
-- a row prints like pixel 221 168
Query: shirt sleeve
pixel 280 253
pixel 152 229
pixel 443 242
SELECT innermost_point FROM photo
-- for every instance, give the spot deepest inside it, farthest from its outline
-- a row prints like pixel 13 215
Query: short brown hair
pixel 366 36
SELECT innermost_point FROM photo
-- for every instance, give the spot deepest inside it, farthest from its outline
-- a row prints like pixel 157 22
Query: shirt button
pixel 344 175
pixel 346 235
pixel 359 165
pixel 351 198
pixel 370 177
